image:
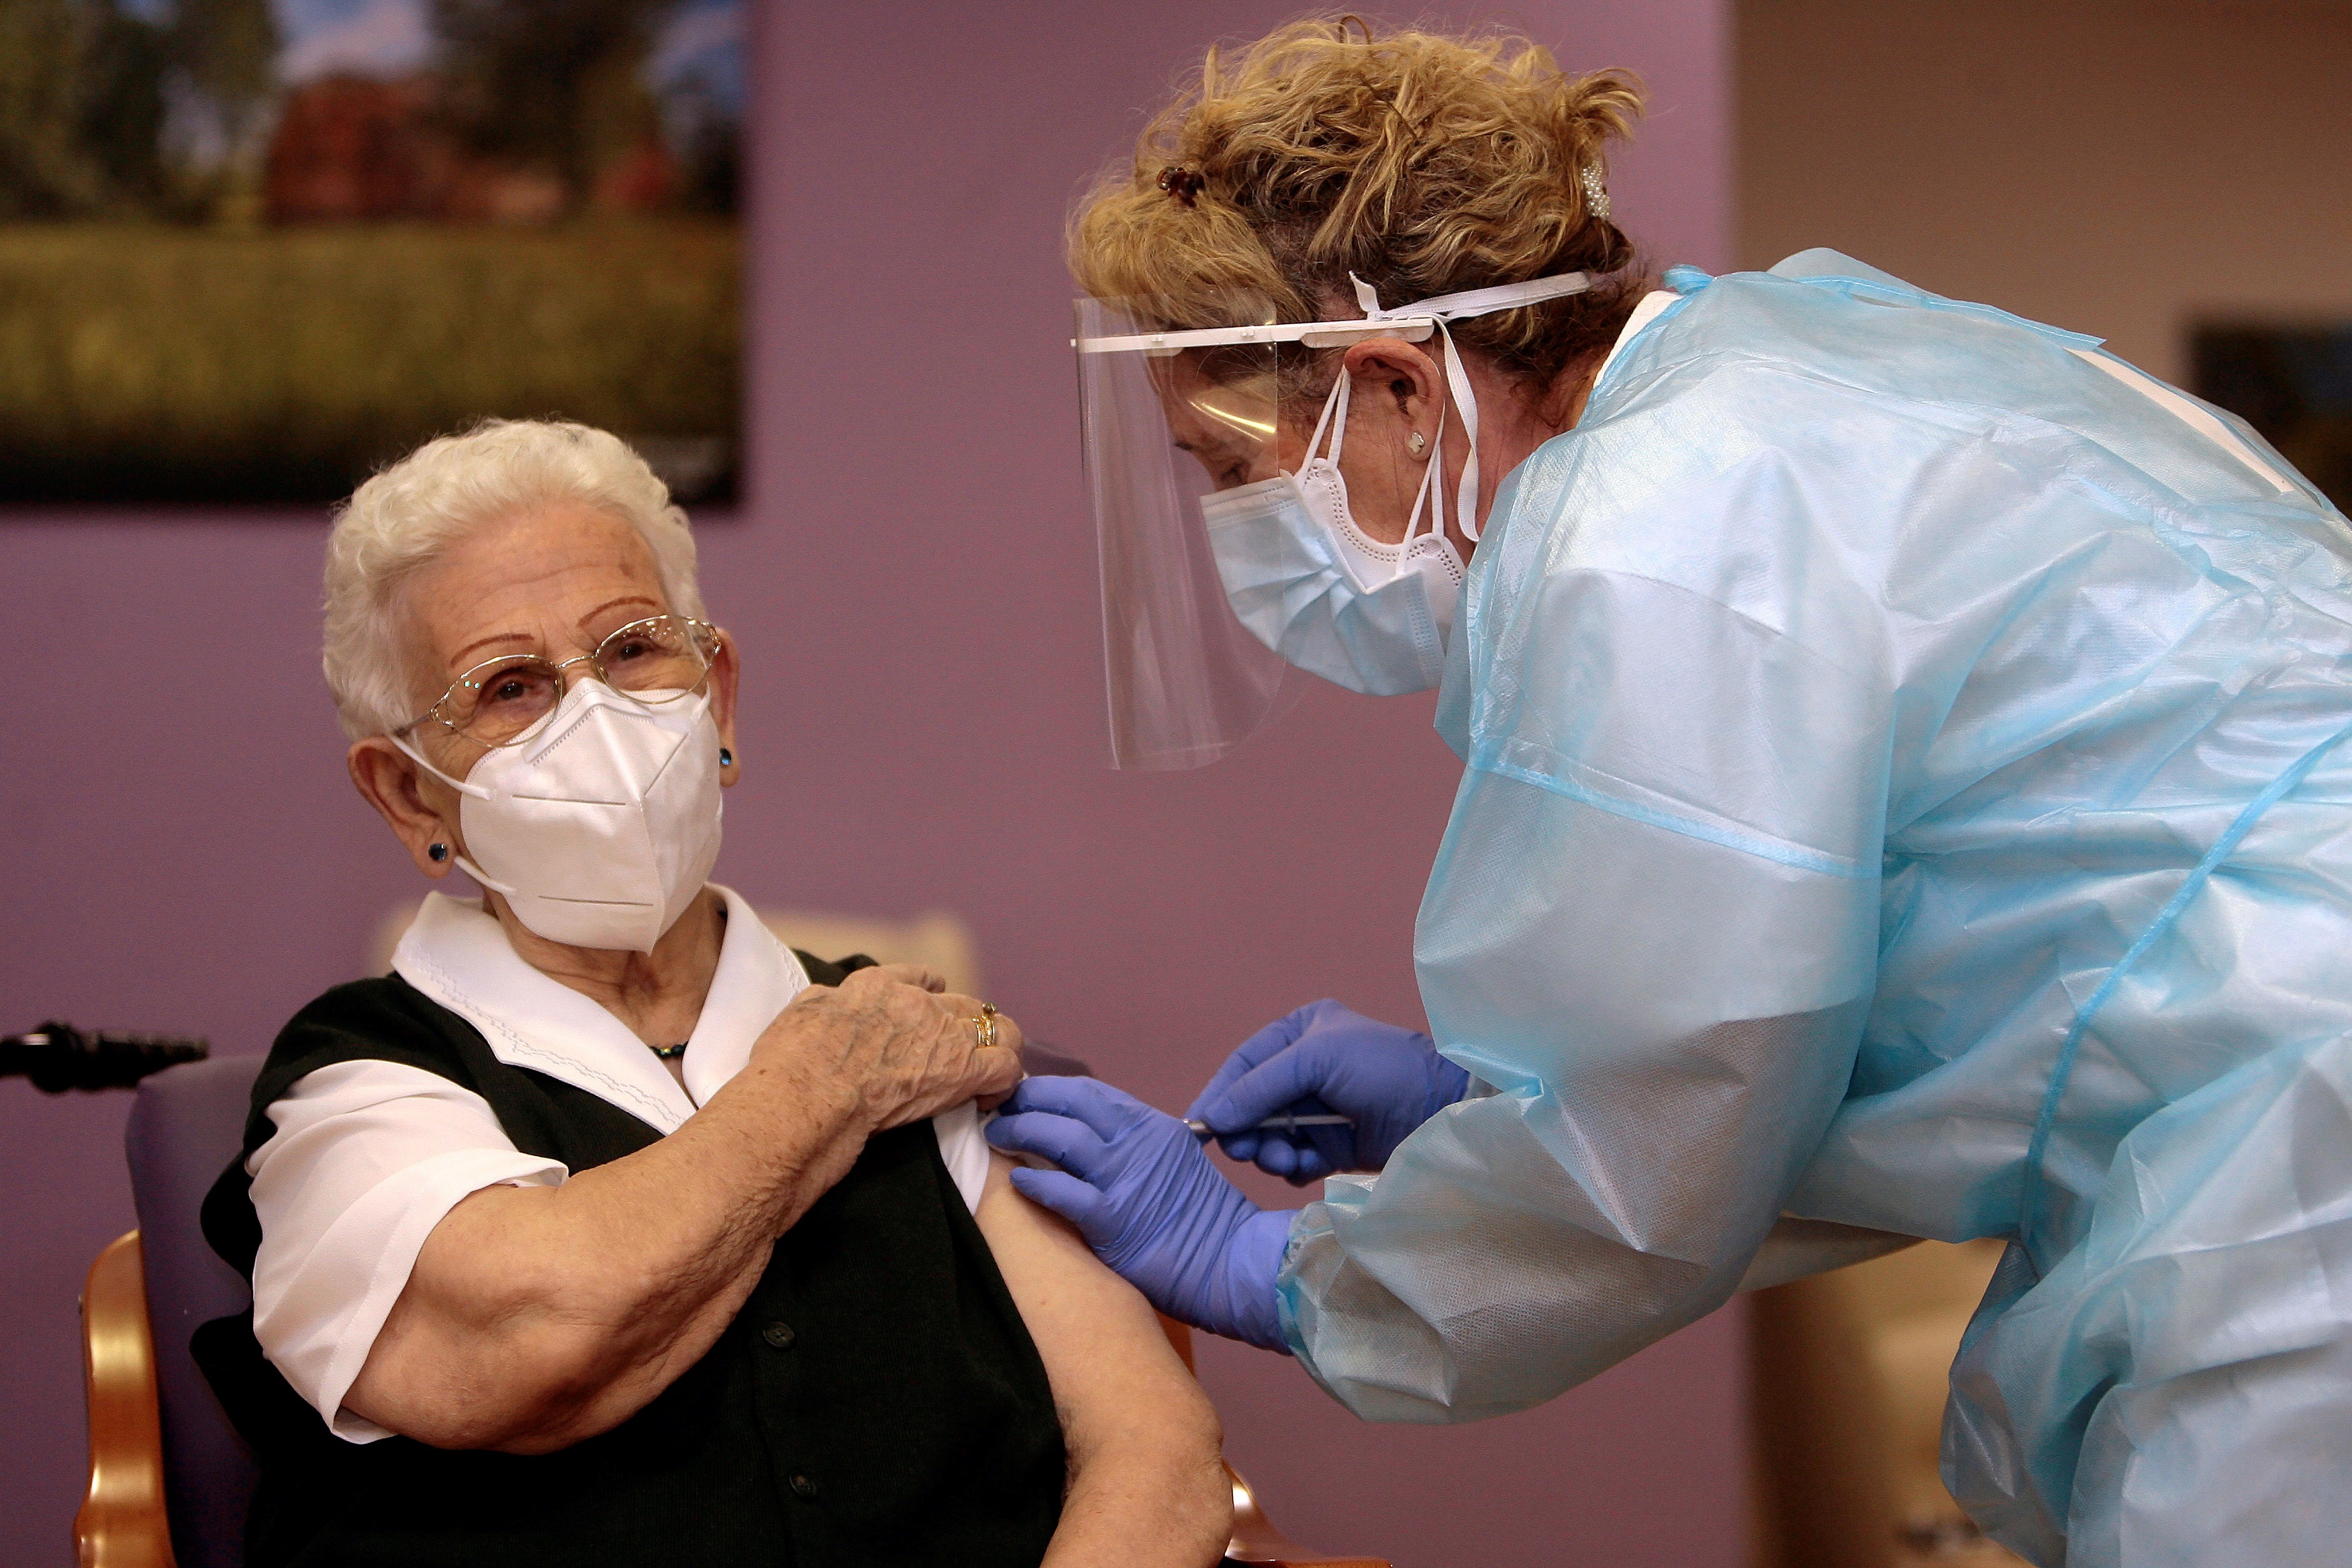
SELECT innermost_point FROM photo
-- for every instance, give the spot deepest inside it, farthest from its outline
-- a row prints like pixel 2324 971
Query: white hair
pixel 401 521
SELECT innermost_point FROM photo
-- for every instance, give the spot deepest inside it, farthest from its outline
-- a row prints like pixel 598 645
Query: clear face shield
pixel 1163 428
pixel 1172 418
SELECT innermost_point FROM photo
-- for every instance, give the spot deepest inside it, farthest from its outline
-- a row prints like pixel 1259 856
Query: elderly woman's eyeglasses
pixel 503 702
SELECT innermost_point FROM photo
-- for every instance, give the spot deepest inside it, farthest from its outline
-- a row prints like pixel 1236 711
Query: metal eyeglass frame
pixel 702 633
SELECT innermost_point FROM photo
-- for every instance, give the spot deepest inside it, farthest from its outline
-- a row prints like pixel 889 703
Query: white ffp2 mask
pixel 602 828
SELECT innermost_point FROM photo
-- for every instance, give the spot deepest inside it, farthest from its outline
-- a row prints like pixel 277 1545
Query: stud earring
pixel 439 852
pixel 726 758
pixel 1415 443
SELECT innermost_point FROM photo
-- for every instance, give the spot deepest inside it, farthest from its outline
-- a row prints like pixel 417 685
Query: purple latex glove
pixel 1141 1189
pixel 1325 1057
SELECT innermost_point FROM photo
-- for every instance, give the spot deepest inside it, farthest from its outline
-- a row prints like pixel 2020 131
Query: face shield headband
pixel 1169 418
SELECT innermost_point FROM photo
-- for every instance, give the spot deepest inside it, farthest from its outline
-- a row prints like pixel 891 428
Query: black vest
pixel 877 1401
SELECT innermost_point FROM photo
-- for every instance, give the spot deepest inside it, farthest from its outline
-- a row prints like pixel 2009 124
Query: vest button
pixel 802 1489
pixel 779 1334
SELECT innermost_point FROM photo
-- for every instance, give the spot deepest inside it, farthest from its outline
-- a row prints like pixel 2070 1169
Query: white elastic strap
pixel 475 871
pixel 1458 377
pixel 1446 307
pixel 1433 484
pixel 1413 322
pixel 1474 301
pixel 462 787
pixel 1336 402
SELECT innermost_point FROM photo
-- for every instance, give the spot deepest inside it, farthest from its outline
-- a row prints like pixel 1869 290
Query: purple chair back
pixel 186 1125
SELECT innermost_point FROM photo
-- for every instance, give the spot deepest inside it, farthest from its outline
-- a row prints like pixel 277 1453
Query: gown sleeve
pixel 1652 928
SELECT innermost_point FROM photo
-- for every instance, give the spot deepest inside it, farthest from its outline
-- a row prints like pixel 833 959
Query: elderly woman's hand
pixel 896 1042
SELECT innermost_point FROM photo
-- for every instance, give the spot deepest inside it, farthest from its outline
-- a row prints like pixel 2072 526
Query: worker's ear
pixel 1392 374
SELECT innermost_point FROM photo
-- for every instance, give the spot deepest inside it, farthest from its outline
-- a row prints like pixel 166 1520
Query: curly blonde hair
pixel 1424 164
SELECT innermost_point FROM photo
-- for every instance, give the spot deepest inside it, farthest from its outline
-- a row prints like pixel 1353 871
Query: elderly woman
pixel 606 1229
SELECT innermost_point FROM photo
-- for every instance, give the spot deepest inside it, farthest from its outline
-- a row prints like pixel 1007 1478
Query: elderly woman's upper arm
pixel 367 1158
pixel 1117 1381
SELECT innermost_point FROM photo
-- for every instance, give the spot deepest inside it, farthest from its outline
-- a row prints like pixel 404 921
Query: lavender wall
pixel 912 584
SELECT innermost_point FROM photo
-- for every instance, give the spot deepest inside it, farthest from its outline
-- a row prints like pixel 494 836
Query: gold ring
pixel 985 1027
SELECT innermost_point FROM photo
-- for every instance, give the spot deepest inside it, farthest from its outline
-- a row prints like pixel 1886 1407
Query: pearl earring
pixel 1415 443
pixel 726 758
pixel 439 852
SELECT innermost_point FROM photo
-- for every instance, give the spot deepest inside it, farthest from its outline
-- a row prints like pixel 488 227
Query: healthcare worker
pixel 1904 795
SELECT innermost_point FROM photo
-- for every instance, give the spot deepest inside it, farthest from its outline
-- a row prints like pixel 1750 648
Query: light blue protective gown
pixel 1904 790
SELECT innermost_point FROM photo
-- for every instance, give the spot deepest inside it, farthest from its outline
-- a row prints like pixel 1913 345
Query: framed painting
pixel 252 249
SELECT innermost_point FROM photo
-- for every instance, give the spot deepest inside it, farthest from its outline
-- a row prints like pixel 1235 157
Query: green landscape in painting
pixel 262 298
pixel 183 363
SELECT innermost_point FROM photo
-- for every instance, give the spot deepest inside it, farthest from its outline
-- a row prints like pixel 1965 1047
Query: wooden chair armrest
pixel 1256 1541
pixel 121 1523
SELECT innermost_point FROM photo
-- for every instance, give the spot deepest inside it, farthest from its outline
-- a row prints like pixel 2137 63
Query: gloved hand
pixel 1141 1189
pixel 1325 1057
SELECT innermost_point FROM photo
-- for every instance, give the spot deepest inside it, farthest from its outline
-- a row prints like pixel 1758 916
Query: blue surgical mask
pixel 1325 597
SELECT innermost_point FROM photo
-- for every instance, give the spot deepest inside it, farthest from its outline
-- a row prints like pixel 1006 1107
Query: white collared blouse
pixel 369 1155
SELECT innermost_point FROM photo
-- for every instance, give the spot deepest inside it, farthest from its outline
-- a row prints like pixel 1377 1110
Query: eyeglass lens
pixel 496 702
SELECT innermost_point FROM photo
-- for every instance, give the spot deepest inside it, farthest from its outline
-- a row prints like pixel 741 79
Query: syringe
pixel 1201 1130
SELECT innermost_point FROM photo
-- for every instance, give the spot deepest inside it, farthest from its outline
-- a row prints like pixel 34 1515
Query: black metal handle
pixel 58 1057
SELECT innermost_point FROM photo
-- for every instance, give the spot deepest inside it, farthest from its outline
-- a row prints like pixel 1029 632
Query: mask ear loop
pixel 1432 483
pixel 1433 486
pixel 481 878
pixel 1336 402
pixel 460 786
pixel 1458 377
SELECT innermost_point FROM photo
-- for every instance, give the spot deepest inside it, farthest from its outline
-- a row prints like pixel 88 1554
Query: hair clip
pixel 1596 195
pixel 1181 183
